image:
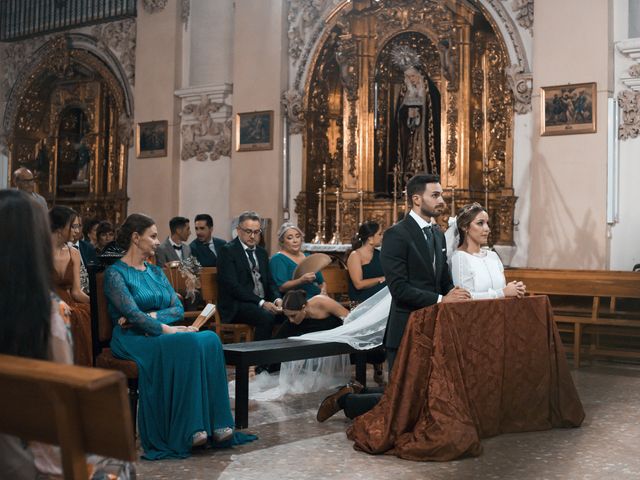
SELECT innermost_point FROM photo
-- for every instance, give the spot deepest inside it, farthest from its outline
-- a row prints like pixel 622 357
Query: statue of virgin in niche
pixel 413 126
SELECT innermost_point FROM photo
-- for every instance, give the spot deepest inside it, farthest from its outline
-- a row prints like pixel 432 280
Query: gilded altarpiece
pixel 72 131
pixel 353 94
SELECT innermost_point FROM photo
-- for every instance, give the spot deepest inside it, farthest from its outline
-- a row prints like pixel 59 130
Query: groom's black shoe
pixel 330 405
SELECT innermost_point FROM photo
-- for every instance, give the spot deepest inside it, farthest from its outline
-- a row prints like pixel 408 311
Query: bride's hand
pixel 514 289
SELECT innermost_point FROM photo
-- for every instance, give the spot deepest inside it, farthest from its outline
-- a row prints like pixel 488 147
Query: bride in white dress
pixel 478 269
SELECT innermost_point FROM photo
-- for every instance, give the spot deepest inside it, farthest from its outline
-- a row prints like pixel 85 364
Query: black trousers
pixel 262 320
pixel 355 404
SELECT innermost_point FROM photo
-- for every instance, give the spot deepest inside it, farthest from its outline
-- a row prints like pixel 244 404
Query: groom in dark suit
pixel 414 261
pixel 247 292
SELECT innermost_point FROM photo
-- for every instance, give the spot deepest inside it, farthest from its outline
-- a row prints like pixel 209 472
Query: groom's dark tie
pixel 428 231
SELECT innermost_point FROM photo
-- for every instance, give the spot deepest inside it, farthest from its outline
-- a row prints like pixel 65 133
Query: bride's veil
pixel 363 328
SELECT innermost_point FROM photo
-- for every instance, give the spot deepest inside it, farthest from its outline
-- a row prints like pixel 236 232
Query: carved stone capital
pixel 293 106
pixel 153 6
pixel 205 122
pixel 629 103
pixel 521 84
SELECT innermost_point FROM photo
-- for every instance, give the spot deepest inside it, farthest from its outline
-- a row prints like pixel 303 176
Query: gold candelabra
pixel 335 239
pixel 322 208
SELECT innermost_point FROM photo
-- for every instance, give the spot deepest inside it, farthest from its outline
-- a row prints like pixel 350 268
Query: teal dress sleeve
pixel 122 304
pixel 281 272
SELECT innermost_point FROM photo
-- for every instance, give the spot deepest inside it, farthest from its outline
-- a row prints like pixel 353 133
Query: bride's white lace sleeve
pixel 467 276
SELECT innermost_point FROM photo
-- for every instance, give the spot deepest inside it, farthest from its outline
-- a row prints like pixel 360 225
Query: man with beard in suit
pixel 205 247
pixel 414 261
pixel 247 292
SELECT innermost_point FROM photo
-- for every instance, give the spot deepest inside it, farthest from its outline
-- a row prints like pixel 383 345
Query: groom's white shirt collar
pixel 419 220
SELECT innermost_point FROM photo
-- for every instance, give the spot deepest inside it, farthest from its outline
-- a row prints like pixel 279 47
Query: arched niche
pixel 69 120
pixel 465 59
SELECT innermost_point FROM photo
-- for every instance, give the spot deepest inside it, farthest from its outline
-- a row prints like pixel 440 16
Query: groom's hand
pixel 457 294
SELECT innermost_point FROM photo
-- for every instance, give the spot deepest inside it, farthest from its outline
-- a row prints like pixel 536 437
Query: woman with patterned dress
pixel 184 399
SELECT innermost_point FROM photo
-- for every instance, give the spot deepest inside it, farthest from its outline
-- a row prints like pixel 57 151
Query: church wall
pixel 154 183
pixel 624 247
pixel 208 68
pixel 567 224
pixel 259 77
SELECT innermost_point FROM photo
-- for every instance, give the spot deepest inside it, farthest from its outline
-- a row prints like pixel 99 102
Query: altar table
pixel 471 370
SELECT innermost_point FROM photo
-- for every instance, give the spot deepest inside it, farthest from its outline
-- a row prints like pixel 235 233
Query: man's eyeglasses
pixel 26 180
pixel 76 226
pixel 250 232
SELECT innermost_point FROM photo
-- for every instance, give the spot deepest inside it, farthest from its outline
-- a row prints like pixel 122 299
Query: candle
pixel 361 216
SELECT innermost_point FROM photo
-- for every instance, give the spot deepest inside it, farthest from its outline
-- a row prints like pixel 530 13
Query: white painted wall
pixel 567 225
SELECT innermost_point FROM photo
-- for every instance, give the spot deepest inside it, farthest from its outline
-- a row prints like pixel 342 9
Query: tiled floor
pixel 292 445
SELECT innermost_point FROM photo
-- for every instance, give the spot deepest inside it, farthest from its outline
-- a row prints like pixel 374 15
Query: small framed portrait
pixel 151 139
pixel 254 131
pixel 568 109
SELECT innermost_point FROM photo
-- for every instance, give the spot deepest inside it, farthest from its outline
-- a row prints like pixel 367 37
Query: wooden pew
pixel 228 332
pixel 593 285
pixel 84 410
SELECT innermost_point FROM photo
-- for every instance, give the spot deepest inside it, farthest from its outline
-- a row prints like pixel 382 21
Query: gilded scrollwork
pixel 292 102
pixel 499 114
pixel 629 103
pixel 403 15
pixel 452 139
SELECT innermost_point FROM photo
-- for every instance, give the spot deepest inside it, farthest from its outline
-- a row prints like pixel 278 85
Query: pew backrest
pixel 84 410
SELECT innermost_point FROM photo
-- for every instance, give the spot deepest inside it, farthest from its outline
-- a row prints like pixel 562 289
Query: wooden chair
pixel 101 331
pixel 178 283
pixel 337 280
pixel 81 409
pixel 228 332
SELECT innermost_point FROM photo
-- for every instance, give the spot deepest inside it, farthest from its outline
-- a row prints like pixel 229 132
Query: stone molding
pixel 154 6
pixel 205 122
pixel 629 98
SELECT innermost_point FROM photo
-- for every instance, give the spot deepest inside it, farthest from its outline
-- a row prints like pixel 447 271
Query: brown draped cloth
pixel 471 370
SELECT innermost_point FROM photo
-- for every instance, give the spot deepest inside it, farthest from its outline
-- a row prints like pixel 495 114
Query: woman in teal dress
pixel 283 264
pixel 184 399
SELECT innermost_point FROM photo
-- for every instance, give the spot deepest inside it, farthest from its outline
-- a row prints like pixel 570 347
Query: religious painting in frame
pixel 151 139
pixel 568 109
pixel 254 131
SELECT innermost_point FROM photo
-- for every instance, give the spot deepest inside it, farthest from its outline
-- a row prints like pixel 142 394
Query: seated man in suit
pixel 205 247
pixel 175 248
pixel 247 292
pixel 86 249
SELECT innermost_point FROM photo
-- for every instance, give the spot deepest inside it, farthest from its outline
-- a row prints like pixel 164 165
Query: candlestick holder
pixel 335 239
